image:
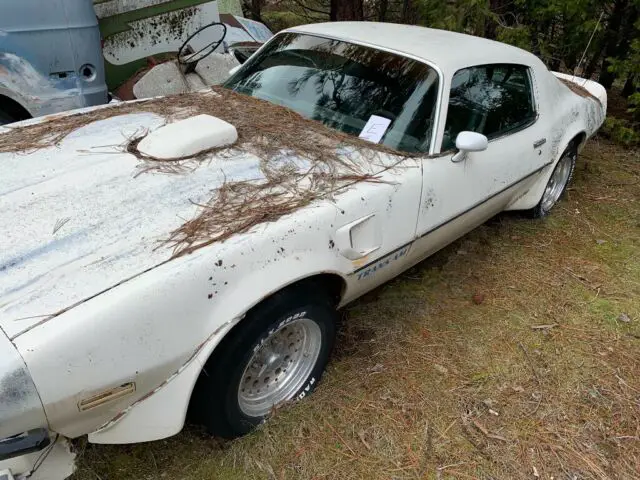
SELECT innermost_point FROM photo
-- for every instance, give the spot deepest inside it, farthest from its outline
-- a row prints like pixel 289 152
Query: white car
pixel 140 283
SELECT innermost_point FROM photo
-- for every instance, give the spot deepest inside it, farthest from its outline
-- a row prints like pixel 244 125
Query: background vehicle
pixel 121 336
pixel 50 58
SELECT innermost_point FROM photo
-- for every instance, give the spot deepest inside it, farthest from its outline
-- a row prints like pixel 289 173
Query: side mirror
pixel 234 70
pixel 469 142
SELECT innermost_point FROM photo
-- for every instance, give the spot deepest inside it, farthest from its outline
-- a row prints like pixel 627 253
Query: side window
pixel 488 99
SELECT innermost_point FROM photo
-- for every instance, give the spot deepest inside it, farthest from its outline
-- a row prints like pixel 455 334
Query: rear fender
pixel 571 128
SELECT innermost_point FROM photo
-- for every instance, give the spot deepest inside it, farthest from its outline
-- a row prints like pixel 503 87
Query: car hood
pixel 81 217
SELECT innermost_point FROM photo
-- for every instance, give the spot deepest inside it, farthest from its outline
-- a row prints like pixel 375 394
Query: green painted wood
pixel 120 23
pixel 118 74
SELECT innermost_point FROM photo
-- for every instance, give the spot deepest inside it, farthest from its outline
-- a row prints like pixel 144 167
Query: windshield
pixel 347 87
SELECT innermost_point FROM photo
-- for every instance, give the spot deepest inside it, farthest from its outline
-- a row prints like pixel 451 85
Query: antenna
pixel 584 54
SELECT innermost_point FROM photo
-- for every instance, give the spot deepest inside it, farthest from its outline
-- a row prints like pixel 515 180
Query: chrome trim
pixel 106 396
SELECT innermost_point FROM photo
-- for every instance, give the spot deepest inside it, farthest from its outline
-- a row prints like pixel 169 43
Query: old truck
pixel 50 58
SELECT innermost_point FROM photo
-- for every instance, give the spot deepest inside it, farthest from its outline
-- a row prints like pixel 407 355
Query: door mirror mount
pixel 469 142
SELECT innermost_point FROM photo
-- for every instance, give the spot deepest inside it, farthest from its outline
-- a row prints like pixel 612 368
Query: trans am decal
pixel 372 268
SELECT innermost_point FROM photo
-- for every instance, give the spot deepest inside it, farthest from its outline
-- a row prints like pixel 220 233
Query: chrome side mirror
pixel 469 142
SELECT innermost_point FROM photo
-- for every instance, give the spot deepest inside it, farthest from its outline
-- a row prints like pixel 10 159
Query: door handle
pixel 345 241
pixel 539 143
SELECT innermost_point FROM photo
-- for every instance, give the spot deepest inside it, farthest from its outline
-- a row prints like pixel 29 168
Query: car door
pixel 375 226
pixel 497 101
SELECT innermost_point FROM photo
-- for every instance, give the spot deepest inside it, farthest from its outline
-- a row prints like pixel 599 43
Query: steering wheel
pixel 188 58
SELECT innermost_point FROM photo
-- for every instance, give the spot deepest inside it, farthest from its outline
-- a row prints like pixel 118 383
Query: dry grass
pixel 539 380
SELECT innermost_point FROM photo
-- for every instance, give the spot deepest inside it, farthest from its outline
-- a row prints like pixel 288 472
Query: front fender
pixel 163 413
pixel 157 326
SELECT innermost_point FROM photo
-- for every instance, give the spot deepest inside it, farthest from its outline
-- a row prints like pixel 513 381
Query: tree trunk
pixel 383 6
pixel 629 86
pixel 406 11
pixel 623 50
pixel 497 8
pixel 611 42
pixel 347 10
pixel 593 63
pixel 256 10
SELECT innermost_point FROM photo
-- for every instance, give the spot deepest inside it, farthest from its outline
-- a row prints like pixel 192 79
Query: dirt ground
pixel 512 354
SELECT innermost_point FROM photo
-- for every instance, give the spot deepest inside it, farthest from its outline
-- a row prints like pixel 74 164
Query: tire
pixel 239 385
pixel 557 184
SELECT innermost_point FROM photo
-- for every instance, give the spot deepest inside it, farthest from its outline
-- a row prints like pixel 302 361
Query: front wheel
pixel 557 184
pixel 275 355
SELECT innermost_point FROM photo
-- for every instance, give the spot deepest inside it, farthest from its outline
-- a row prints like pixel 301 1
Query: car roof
pixel 448 50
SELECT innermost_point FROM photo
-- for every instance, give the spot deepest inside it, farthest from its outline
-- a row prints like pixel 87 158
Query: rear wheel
pixel 277 354
pixel 557 184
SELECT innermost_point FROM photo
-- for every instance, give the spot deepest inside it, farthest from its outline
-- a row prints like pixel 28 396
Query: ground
pixel 512 354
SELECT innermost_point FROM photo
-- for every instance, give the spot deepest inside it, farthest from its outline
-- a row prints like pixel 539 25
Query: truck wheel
pixel 557 185
pixel 276 354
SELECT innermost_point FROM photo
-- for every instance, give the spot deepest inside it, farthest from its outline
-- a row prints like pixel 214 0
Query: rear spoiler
pixel 576 84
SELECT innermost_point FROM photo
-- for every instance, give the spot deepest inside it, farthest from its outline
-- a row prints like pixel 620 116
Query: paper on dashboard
pixel 375 129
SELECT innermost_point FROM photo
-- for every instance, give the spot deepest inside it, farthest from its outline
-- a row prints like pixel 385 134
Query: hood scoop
pixel 189 137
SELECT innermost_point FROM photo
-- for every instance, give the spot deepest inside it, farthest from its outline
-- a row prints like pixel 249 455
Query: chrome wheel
pixel 557 182
pixel 280 367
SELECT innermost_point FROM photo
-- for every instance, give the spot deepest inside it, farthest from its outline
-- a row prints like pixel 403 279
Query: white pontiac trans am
pixel 106 333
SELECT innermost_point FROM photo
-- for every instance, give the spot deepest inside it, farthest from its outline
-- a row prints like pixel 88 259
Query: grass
pixel 539 380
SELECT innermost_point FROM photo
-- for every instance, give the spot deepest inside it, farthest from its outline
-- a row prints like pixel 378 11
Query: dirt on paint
pixel 163 29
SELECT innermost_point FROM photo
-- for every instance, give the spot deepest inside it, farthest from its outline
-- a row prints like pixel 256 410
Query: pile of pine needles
pixel 302 161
